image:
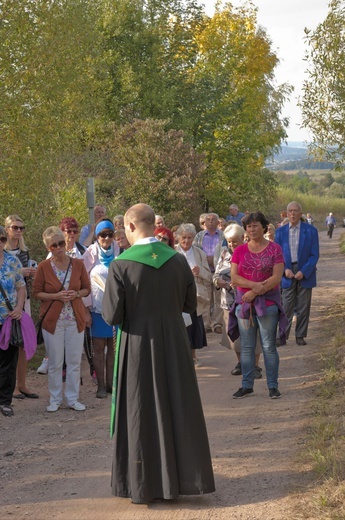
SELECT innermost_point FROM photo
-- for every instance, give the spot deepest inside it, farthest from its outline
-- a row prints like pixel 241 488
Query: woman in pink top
pixel 256 270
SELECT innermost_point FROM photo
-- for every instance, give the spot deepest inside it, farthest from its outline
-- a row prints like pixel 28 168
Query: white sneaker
pixel 43 368
pixel 53 407
pixel 78 407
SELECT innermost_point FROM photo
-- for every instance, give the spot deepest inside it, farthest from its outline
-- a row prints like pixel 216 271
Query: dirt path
pixel 57 466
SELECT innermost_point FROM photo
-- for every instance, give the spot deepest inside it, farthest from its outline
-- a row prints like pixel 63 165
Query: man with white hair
pixel 208 240
pixel 330 223
pixel 300 244
pixel 159 221
pixel 234 215
pixel 87 234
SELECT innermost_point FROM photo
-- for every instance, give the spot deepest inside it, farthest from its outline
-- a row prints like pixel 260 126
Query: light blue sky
pixel 284 21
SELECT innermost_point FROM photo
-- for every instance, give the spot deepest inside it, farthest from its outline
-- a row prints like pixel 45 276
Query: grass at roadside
pixel 326 439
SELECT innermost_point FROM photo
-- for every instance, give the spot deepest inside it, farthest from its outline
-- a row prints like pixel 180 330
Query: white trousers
pixel 66 342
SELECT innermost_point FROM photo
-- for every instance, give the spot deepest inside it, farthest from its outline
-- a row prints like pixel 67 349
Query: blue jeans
pixel 267 326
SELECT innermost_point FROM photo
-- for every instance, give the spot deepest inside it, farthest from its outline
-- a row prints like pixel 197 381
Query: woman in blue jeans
pixel 256 270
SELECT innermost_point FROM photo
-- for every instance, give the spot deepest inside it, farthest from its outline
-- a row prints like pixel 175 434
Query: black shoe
pixel 237 371
pixel 257 372
pixel 242 392
pixel 301 341
pixel 274 393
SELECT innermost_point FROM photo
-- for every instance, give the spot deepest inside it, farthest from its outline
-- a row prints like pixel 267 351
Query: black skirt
pixel 196 332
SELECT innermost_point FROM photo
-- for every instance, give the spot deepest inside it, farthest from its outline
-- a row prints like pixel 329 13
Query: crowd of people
pixel 240 277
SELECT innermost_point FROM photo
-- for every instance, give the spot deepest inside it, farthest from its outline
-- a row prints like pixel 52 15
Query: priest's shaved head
pixel 141 215
pixel 139 222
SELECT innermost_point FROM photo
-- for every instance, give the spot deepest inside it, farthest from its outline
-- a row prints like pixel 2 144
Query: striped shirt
pixel 294 241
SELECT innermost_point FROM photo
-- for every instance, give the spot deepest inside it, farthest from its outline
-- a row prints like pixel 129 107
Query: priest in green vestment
pixel 161 447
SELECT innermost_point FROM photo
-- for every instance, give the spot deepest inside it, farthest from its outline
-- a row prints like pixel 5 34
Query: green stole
pixel 154 254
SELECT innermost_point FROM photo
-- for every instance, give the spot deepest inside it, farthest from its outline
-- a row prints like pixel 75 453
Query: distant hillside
pixel 294 156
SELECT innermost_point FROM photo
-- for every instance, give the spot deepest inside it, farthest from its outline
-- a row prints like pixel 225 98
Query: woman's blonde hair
pixel 8 223
pixel 51 231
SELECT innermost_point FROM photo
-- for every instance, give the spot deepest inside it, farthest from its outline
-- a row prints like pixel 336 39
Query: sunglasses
pixel 62 243
pixel 69 231
pixel 17 228
pixel 106 234
pixel 3 240
pixel 163 238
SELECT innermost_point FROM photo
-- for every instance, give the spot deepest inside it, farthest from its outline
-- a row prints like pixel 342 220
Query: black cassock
pixel 161 444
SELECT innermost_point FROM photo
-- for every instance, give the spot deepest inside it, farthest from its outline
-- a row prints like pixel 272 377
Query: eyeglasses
pixel 69 231
pixel 163 238
pixel 106 234
pixel 3 240
pixel 62 243
pixel 17 228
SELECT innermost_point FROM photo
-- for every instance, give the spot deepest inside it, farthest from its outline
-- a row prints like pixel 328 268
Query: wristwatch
pixel 78 294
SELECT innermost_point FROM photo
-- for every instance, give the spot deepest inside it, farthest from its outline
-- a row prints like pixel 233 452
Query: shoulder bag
pixel 39 323
pixel 16 338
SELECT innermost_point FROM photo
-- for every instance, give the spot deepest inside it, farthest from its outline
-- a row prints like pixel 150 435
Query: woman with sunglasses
pixel 12 281
pixel 97 259
pixel 70 228
pixel 16 246
pixel 163 234
pixel 60 283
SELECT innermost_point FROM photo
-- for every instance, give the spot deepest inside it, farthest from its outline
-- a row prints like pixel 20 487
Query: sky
pixel 284 21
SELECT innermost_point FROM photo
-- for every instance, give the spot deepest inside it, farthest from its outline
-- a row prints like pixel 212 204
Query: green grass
pixel 318 206
pixel 325 449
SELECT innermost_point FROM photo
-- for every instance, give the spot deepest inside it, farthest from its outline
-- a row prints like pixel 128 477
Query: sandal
pixel 7 410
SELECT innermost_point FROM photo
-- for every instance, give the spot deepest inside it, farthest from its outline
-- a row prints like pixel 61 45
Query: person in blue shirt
pixel 87 234
pixel 234 215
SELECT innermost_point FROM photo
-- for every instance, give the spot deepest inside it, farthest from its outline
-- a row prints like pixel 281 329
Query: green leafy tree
pixel 210 77
pixel 48 106
pixel 323 103
pixel 243 124
pixel 149 49
pixel 158 167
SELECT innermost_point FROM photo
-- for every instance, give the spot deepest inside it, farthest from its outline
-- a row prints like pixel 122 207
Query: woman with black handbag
pixel 197 261
pixel 13 285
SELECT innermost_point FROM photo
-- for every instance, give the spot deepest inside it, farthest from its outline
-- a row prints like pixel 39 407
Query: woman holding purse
pixel 13 284
pixel 60 283
pixel 197 261
pixel 16 246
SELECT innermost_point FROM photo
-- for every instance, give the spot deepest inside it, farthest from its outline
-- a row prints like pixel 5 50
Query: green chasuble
pixel 154 254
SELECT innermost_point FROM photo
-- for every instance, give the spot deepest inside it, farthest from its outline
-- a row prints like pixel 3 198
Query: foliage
pixel 149 50
pixel 192 99
pixel 323 104
pixel 157 167
pixel 318 206
pixel 47 100
pixel 210 77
